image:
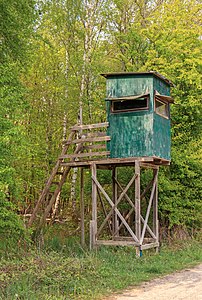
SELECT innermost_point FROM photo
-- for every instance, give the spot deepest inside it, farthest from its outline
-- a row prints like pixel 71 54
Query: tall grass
pixel 67 271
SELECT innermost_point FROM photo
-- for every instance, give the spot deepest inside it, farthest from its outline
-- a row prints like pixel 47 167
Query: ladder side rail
pixel 53 198
pixel 48 183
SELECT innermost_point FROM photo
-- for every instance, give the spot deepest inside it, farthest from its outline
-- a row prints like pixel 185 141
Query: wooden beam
pixel 109 161
pixel 155 210
pixel 90 126
pixel 115 200
pixel 116 243
pixel 86 154
pixel 82 207
pixel 137 201
pixel 94 206
pixel 127 238
pixel 149 246
pixel 89 140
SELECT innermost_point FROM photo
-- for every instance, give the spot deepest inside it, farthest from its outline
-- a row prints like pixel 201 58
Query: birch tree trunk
pixel 90 8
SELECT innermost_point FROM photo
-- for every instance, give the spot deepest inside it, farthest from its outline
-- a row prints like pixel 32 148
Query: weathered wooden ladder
pixel 86 143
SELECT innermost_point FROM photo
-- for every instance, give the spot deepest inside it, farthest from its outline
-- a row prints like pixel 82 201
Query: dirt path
pixel 184 285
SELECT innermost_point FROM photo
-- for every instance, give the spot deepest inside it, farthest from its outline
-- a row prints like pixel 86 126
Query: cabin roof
pixel 156 74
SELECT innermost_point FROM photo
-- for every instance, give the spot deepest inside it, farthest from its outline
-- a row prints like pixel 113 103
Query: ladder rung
pixel 89 140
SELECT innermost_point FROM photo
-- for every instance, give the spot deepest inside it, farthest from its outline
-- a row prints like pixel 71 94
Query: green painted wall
pixel 161 137
pixel 161 126
pixel 129 85
pixel 138 133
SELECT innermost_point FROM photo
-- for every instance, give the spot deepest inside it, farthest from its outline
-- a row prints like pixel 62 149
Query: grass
pixel 64 271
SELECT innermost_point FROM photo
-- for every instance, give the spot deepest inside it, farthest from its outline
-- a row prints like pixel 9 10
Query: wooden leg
pixel 114 197
pixel 82 208
pixel 137 201
pixel 155 211
pixel 93 225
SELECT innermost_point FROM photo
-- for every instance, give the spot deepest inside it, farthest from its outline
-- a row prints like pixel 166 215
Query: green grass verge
pixel 69 272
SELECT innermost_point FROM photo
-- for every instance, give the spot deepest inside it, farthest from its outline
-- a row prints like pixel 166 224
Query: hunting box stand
pixel 135 137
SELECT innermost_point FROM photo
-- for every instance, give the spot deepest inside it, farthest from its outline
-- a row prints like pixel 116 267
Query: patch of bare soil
pixel 183 285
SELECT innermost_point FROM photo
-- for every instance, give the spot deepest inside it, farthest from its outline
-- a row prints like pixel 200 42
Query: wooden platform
pixel 108 163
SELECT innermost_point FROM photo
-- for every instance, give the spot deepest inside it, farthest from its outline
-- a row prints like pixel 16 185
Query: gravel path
pixel 183 285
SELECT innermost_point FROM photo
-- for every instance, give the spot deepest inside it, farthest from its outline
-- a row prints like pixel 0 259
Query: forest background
pixel 52 54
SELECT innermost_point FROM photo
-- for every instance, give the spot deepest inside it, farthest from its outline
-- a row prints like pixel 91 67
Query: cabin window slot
pixel 130 104
pixel 162 108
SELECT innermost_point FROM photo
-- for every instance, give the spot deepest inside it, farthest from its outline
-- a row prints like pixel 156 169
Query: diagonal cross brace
pixel 149 207
pixel 119 199
pixel 115 208
pixel 133 208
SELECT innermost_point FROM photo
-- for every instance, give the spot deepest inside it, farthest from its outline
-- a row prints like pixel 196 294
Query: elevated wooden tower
pixel 136 135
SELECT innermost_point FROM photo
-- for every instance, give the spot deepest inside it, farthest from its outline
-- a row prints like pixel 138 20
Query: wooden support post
pixel 93 223
pixel 155 210
pixel 114 198
pixel 137 205
pixel 137 201
pixel 82 208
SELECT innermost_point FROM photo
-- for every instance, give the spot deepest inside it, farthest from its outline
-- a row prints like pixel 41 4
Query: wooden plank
pixel 128 238
pixel 149 246
pixel 87 154
pixel 116 243
pixel 89 140
pixel 108 161
pixel 114 208
pixel 90 126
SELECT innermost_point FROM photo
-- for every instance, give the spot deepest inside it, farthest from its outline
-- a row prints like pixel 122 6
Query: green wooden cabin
pixel 138 112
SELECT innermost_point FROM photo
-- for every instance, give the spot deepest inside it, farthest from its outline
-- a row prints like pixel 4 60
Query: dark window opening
pixel 130 105
pixel 162 108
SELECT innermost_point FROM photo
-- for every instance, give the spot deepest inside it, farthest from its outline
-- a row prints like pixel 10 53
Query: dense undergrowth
pixel 65 271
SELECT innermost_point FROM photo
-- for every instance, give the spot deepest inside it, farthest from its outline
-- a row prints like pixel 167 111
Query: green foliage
pixel 10 225
pixel 52 55
pixel 17 17
pixel 14 30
